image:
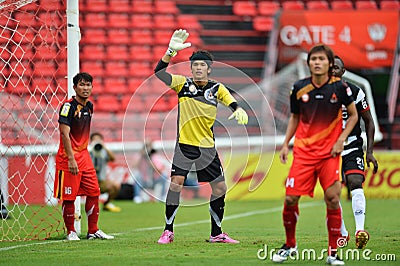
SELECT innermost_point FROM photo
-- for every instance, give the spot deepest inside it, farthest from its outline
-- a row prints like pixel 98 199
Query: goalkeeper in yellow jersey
pixel 198 97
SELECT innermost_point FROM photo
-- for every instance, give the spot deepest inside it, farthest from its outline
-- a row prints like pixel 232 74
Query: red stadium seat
pixel 95 68
pixel 366 5
pixel 293 5
pixel 116 69
pixel 133 84
pixel 144 7
pixel 108 103
pixel 93 36
pixel 268 8
pixel 162 36
pixel 96 6
pixel 244 8
pixel 44 68
pixel 390 5
pixel 317 5
pixel 142 21
pixel 122 6
pixel 118 36
pixel 118 20
pixel 94 52
pixel 115 86
pixel 140 69
pixel 165 7
pixel 140 53
pixel 117 52
pixel 95 20
pixel 141 37
pixel 342 5
pixel 164 22
pixel 264 24
pixel 189 22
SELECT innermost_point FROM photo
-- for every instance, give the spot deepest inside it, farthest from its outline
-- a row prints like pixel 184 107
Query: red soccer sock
pixel 92 213
pixel 334 222
pixel 290 214
pixel 68 212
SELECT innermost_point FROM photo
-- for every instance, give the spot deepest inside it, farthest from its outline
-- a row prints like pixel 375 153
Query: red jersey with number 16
pixel 78 118
pixel 320 116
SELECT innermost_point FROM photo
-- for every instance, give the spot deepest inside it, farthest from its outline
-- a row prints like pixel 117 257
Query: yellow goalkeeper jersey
pixel 197 109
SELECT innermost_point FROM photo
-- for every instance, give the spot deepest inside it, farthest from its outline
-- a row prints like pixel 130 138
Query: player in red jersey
pixel 316 122
pixel 75 174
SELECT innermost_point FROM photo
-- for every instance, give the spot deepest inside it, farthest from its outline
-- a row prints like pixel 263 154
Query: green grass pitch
pixel 257 224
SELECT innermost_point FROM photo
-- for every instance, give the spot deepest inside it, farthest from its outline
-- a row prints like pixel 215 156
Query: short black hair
pixel 82 76
pixel 338 57
pixel 202 55
pixel 94 134
pixel 322 48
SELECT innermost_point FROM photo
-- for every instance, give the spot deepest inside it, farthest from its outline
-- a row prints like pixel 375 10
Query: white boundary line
pixel 230 217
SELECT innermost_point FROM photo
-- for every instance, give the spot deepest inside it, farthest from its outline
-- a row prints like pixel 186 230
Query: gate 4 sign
pixel 363 39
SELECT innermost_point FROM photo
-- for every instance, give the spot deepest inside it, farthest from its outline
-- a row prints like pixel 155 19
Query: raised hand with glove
pixel 177 42
pixel 240 115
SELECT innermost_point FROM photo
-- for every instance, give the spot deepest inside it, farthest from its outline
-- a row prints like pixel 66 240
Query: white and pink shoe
pixel 223 238
pixel 166 237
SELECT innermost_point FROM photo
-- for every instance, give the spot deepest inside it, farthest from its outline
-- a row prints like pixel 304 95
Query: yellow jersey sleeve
pixel 177 82
pixel 224 95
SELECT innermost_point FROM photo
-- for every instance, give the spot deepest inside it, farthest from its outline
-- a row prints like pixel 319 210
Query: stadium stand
pixel 342 5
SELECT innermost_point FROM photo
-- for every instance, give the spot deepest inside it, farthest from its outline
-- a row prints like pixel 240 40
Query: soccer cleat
pixel 166 237
pixel 99 235
pixel 362 238
pixel 72 236
pixel 111 207
pixel 222 238
pixel 283 253
pixel 334 260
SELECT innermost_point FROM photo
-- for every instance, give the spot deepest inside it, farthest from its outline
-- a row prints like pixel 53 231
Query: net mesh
pixel 33 69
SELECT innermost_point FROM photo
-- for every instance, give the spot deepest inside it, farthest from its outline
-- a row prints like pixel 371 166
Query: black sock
pixel 171 207
pixel 217 205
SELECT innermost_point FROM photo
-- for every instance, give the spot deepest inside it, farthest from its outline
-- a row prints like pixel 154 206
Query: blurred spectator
pixel 101 155
pixel 151 170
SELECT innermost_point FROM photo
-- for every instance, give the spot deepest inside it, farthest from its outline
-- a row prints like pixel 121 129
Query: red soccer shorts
pixel 67 186
pixel 303 175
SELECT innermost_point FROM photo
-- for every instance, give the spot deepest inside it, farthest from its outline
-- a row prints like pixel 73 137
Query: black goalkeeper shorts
pixel 206 161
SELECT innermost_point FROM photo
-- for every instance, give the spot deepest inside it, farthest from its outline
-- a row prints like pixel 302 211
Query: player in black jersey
pixel 353 157
pixel 198 97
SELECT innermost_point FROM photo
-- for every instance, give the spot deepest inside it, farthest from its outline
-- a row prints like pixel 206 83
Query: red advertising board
pixel 363 39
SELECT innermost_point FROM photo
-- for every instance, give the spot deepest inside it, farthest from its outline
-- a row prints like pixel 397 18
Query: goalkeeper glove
pixel 240 115
pixel 177 42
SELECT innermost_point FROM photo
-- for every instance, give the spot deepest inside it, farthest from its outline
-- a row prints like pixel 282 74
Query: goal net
pixel 33 70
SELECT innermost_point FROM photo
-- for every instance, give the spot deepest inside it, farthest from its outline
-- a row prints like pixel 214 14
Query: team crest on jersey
pixel 305 97
pixel 193 89
pixel 334 98
pixel 208 94
pixel 65 109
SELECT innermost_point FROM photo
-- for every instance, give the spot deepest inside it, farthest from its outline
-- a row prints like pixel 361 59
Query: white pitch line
pixel 230 217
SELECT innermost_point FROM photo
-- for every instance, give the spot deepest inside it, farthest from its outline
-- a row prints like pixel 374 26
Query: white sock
pixel 358 204
pixel 343 229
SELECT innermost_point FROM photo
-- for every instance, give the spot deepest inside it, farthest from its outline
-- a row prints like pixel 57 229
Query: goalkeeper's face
pixel 200 70
pixel 83 89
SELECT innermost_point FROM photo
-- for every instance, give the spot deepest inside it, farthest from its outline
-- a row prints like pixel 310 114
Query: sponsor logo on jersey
pixel 334 98
pixel 65 109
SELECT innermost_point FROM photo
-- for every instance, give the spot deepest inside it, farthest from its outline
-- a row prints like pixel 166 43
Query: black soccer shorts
pixel 353 163
pixel 206 160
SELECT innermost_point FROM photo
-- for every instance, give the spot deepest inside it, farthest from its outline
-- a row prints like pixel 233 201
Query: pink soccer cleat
pixel 166 237
pixel 223 238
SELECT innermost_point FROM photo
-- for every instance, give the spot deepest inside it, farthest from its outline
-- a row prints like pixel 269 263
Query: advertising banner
pixel 384 184
pixel 363 39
